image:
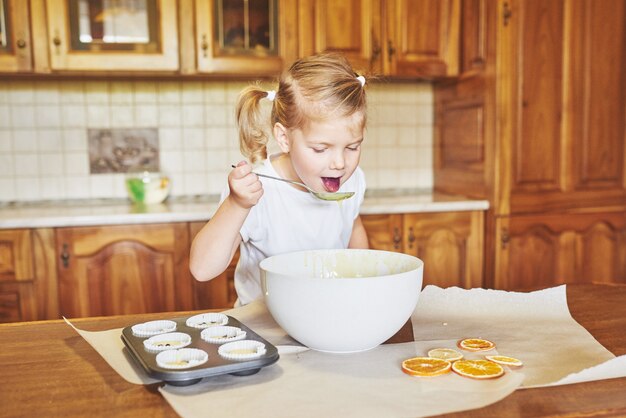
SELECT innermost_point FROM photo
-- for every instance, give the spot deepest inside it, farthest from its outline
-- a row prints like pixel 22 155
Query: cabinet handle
pixel 397 238
pixel 504 238
pixel 204 45
pixel 376 50
pixel 411 237
pixel 390 50
pixel 21 44
pixel 506 14
pixel 65 256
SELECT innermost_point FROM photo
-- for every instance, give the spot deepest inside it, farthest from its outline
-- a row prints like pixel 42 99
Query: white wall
pixel 43 135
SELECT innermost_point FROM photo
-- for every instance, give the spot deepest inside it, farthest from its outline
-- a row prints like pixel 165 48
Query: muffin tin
pixel 187 365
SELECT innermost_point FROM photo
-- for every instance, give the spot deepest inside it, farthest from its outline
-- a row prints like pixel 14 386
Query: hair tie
pixel 361 80
pixel 271 95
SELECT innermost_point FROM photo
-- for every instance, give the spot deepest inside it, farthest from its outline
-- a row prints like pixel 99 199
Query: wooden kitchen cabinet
pixel 548 132
pixel 415 39
pixel 220 292
pixel 124 269
pixel 255 38
pixel 449 243
pixel 88 35
pixel 538 128
pixel 28 286
pixel 538 251
pixel 15 37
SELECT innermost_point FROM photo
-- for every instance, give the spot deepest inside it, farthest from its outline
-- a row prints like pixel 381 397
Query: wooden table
pixel 46 369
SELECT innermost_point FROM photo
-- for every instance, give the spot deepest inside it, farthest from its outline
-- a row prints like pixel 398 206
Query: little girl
pixel 318 120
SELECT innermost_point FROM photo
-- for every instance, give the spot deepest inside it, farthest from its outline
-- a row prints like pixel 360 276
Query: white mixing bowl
pixel 341 301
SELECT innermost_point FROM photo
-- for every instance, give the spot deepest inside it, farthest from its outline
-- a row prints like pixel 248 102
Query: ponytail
pixel 252 138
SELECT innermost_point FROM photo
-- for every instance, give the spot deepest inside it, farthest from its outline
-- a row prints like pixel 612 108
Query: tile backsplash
pixel 44 147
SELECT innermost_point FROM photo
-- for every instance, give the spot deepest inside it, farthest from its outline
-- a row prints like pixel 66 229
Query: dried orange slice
pixel 425 366
pixel 478 369
pixel 476 344
pixel 505 360
pixel 445 354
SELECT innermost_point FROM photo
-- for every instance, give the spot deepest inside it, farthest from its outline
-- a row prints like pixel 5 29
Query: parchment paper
pixel 535 327
pixel 314 384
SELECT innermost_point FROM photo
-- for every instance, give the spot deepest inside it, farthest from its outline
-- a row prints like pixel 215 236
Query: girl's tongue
pixel 331 184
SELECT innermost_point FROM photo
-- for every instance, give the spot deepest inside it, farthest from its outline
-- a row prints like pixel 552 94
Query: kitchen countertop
pixel 51 214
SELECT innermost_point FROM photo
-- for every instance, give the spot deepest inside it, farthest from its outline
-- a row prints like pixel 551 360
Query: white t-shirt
pixel 287 219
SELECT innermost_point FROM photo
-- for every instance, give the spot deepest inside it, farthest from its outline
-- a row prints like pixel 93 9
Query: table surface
pixel 47 369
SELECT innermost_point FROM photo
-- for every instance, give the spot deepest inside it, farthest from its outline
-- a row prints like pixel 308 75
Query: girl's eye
pixel 319 150
pixel 355 148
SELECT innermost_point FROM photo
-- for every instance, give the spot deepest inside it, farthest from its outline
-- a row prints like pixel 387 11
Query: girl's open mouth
pixel 331 184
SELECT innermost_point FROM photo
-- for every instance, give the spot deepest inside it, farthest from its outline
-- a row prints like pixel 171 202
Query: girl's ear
pixel 280 133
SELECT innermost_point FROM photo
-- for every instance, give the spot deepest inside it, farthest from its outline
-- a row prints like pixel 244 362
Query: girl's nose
pixel 338 162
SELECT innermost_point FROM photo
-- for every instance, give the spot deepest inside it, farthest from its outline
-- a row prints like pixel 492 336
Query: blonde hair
pixel 315 88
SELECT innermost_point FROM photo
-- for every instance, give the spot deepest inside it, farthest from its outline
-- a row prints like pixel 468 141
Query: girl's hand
pixel 245 187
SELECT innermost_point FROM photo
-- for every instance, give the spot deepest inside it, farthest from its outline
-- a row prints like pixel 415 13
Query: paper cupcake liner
pixel 242 350
pixel 184 358
pixel 148 329
pixel 222 334
pixel 206 320
pixel 169 341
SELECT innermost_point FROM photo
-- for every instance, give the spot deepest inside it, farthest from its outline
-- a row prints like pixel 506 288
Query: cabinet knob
pixel 204 45
pixel 506 14
pixel 411 237
pixel 65 256
pixel 390 50
pixel 21 44
pixel 376 50
pixel 504 238
pixel 397 238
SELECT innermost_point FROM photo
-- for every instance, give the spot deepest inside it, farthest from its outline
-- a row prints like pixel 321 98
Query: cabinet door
pixel 15 39
pixel 244 37
pixel 562 106
pixel 450 244
pixel 352 28
pixel 220 292
pixel 17 299
pixel 422 38
pixel 123 269
pixel 547 250
pixel 28 281
pixel 384 232
pixel 96 35
pixel 16 255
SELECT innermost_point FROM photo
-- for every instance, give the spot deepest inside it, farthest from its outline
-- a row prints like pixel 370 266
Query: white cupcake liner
pixel 242 350
pixel 169 341
pixel 148 329
pixel 206 320
pixel 222 334
pixel 184 358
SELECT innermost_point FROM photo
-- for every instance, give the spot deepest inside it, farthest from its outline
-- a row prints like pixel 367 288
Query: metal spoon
pixel 319 195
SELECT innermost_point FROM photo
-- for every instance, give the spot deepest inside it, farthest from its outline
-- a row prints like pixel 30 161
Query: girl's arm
pixel 213 248
pixel 358 239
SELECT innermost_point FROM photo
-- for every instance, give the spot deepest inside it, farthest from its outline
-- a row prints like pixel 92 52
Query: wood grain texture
pixel 546 250
pixel 124 269
pixel 49 370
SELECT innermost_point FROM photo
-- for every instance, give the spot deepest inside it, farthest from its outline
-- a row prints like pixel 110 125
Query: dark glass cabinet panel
pixel 114 25
pixel 246 27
